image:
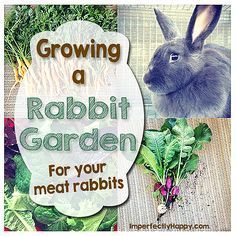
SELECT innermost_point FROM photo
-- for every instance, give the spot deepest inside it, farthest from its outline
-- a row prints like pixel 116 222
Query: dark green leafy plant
pixel 55 221
pixel 22 178
pixel 169 155
pixel 22 22
pixel 33 19
pixel 18 210
pixel 21 214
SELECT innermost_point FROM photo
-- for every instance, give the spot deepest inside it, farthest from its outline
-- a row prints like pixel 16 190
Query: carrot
pixel 24 70
pixel 17 81
pixel 26 62
pixel 20 71
pixel 16 75
pixel 20 63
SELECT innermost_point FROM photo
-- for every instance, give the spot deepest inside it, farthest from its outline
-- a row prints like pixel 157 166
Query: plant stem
pixel 158 177
pixel 180 157
pixel 184 165
pixel 167 195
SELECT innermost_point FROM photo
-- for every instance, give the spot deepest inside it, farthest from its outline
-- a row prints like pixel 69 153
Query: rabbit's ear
pixel 168 28
pixel 202 23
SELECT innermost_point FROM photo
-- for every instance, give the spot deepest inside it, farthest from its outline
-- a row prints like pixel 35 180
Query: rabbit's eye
pixel 173 57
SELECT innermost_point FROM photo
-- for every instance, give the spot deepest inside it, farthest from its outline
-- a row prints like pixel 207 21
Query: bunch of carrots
pixel 22 22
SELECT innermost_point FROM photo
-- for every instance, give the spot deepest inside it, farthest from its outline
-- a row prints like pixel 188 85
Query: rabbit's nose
pixel 147 78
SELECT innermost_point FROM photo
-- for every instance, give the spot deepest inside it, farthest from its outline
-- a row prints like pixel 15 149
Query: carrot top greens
pixel 24 21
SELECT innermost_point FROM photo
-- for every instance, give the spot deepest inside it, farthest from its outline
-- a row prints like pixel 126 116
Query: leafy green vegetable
pixel 191 164
pixel 168 124
pixel 168 154
pixel 48 215
pixel 56 221
pixel 185 137
pixel 23 175
pixel 202 135
pixel 21 214
pixel 38 18
pixel 75 224
pixel 17 211
pixel 32 19
pixel 155 142
pixel 21 202
pixel 171 147
pixel 109 220
pixel 148 158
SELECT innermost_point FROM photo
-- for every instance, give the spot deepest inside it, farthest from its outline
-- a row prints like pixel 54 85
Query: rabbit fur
pixel 186 77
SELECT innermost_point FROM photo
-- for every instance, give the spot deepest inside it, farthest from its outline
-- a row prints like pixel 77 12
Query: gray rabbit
pixel 188 78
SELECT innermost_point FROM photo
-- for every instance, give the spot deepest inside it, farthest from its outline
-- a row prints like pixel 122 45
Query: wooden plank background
pixel 207 193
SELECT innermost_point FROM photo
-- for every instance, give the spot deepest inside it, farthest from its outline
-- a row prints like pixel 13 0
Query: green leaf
pixel 171 147
pixel 109 220
pixel 17 214
pixel 173 164
pixel 183 131
pixel 23 175
pixel 44 18
pixel 168 124
pixel 21 202
pixel 56 221
pixel 202 135
pixel 58 226
pixel 192 163
pixel 185 135
pixel 139 160
pixel 75 223
pixel 156 194
pixel 150 160
pixel 51 217
pixel 155 141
